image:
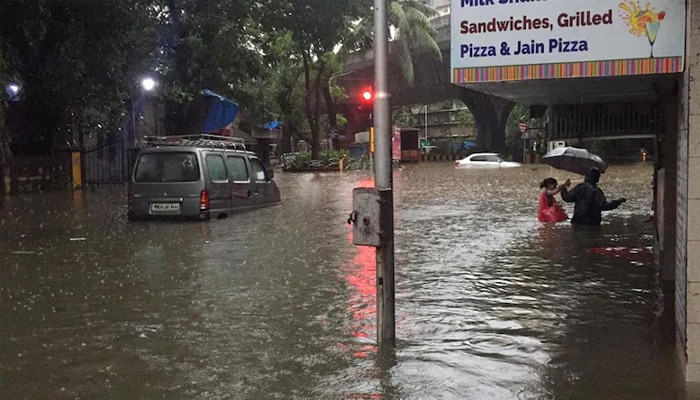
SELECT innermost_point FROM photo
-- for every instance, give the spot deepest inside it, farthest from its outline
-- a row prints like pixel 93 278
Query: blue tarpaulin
pixel 221 112
pixel 272 125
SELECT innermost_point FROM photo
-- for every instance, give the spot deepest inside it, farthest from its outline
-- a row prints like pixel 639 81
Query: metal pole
pixel 372 142
pixel 425 121
pixel 386 330
pixel 133 137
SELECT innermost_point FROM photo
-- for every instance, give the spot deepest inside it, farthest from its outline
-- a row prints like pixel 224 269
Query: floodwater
pixel 278 303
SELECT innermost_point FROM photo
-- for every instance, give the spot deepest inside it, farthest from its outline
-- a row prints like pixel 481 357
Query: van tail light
pixel 204 200
pixel 130 199
pixel 456 163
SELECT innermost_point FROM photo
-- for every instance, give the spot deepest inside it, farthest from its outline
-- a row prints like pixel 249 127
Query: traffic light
pixel 367 96
pixel 365 106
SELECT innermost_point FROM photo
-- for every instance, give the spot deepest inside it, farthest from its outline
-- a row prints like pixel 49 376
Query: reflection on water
pixel 278 303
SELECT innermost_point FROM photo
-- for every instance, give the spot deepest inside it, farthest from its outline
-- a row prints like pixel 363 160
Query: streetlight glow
pixel 148 84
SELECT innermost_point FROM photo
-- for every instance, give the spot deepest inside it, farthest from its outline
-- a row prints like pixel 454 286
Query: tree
pixel 212 44
pixel 74 64
pixel 414 32
pixel 403 116
pixel 316 28
pixel 5 153
pixel 72 61
pixel 465 118
pixel 281 91
pixel 332 92
pixel 514 140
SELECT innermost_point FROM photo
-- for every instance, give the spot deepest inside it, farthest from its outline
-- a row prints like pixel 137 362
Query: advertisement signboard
pixel 500 40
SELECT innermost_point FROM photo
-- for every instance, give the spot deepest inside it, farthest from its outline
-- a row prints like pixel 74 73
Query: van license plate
pixel 165 207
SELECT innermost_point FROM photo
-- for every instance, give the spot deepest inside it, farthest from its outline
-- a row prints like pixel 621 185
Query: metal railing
pixel 606 120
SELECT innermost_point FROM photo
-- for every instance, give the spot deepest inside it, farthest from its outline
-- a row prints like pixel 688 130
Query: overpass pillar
pixel 688 202
pixel 490 115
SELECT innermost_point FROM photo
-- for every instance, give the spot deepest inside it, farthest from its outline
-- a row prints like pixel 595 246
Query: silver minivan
pixel 201 178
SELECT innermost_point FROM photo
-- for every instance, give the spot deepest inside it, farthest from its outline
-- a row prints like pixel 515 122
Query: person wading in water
pixel 549 210
pixel 590 200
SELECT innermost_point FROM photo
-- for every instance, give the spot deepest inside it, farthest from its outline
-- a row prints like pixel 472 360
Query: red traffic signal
pixel 367 96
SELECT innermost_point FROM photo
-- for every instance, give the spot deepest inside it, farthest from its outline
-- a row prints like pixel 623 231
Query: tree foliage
pixel 73 60
pixel 207 44
pixel 4 134
pixel 514 141
pixel 404 116
pixel 465 118
pixel 80 62
pixel 316 27
pixel 410 19
pixel 281 92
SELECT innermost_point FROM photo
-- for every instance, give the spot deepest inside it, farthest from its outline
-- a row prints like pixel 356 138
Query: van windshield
pixel 167 167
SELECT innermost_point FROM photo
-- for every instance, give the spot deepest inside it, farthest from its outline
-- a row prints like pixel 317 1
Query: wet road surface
pixel 278 303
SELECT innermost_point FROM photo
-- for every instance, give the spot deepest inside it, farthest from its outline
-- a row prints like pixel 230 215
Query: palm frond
pixel 399 19
pixel 418 20
pixel 411 18
pixel 406 61
pixel 420 5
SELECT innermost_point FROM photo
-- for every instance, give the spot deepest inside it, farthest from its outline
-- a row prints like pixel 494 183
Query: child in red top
pixel 550 210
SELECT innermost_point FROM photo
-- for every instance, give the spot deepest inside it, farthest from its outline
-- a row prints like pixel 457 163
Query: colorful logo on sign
pixel 642 21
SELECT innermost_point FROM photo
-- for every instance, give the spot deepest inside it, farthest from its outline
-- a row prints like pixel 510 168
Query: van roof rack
pixel 198 140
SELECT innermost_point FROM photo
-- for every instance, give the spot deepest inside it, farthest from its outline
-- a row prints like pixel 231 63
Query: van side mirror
pixel 270 173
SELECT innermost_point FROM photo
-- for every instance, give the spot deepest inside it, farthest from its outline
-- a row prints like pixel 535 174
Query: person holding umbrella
pixel 590 200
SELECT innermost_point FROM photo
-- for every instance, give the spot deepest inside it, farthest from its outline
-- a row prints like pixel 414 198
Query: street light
pixel 13 91
pixel 148 84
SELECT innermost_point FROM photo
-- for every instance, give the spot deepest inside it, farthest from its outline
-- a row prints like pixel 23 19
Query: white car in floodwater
pixel 485 160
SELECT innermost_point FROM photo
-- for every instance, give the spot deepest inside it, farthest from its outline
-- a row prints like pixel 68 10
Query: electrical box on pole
pixel 365 217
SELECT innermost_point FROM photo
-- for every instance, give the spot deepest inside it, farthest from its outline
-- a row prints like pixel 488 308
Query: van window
pixel 258 170
pixel 167 167
pixel 478 159
pixel 237 168
pixel 216 167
